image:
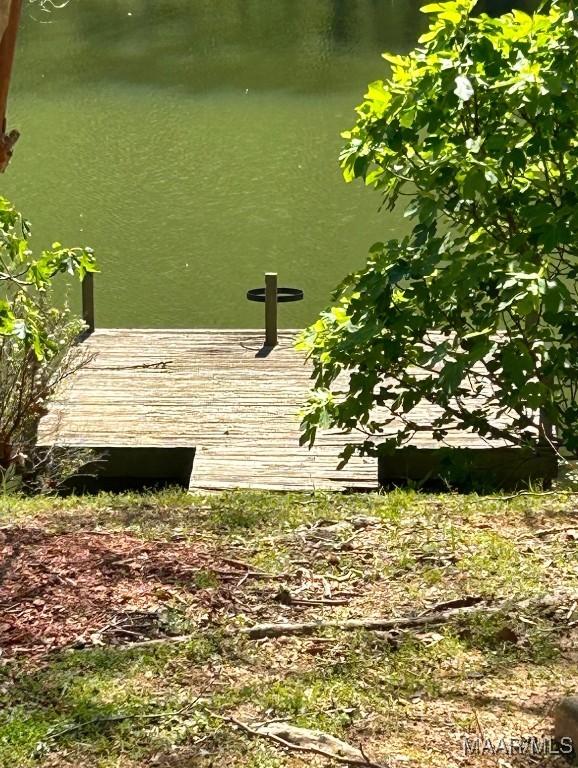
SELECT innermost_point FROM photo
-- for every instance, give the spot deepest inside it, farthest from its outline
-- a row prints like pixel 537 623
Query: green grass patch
pixel 423 550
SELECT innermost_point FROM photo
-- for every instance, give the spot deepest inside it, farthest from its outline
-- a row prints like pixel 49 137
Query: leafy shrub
pixel 475 135
pixel 36 340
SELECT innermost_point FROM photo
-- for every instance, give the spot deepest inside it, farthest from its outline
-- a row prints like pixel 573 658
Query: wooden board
pixel 216 391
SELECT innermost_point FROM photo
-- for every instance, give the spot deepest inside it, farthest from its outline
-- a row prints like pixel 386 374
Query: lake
pixel 193 144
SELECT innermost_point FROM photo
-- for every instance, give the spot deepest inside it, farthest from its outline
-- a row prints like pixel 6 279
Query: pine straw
pixel 59 589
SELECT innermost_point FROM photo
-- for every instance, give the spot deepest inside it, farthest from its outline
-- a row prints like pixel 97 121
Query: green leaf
pixel 474 183
pixel 407 117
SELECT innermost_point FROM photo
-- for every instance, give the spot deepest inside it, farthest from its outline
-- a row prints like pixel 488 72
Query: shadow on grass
pixel 104 696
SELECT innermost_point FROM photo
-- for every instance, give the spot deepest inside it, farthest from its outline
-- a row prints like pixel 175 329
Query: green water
pixel 194 143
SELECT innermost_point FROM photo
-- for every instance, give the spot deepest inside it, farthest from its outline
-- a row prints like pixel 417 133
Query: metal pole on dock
pixel 271 309
pixel 271 295
pixel 88 301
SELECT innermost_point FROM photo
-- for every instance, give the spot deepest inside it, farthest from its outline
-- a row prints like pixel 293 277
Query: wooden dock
pixel 220 392
pixel 228 398
pixel 219 409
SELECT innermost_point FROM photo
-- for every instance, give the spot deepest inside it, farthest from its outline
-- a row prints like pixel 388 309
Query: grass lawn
pixel 86 584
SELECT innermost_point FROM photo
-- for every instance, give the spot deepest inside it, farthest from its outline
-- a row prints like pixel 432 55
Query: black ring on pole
pixel 283 295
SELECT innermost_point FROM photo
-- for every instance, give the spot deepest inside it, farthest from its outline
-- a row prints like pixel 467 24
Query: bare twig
pixel 539 494
pixel 479 725
pixel 286 598
pixel 160 641
pixel 241 564
pixel 461 602
pixel 161 365
pixel 328 601
pixel 250 575
pixel 552 531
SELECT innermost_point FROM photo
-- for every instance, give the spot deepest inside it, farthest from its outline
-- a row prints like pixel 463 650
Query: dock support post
pixel 88 301
pixel 271 309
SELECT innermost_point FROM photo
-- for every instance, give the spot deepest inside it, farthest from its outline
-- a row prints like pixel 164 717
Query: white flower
pixel 464 89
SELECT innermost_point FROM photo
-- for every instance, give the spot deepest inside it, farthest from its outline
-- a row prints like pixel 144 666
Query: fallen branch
pixel 285 597
pixel 260 631
pixel 539 494
pixel 331 577
pixel 241 564
pixel 158 641
pixel 161 365
pixel 362 761
pixel 553 531
pixel 461 602
pixel 434 617
pixel 328 601
pixel 249 575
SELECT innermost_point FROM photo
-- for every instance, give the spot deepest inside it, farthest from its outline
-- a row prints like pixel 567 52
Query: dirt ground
pixel 123 643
